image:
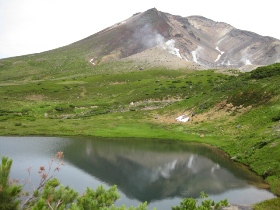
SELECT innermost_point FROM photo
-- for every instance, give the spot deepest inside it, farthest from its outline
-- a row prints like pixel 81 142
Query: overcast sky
pixel 31 26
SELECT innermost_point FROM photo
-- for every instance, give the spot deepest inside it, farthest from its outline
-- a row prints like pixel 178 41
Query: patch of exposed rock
pixel 158 56
pixel 238 207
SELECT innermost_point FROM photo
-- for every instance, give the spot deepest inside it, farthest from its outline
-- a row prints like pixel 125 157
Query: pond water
pixel 159 172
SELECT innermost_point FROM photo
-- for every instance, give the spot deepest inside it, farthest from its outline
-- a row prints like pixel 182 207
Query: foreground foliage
pixel 9 190
pixel 191 204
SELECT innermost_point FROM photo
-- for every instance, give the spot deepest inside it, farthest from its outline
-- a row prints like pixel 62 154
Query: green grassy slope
pixel 48 95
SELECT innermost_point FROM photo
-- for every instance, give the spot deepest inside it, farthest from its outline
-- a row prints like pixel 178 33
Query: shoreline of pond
pixel 198 140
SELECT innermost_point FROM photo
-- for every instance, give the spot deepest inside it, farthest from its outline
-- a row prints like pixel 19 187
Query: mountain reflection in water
pixel 160 172
pixel 155 170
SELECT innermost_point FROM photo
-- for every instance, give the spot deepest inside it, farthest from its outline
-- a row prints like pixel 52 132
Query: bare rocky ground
pixel 219 111
pixel 238 207
pixel 157 56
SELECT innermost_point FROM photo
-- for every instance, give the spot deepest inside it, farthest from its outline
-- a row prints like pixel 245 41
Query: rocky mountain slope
pixel 153 39
pixel 194 41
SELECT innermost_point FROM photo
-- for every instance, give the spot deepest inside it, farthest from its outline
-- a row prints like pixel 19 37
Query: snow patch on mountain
pixel 182 118
pixel 91 61
pixel 219 56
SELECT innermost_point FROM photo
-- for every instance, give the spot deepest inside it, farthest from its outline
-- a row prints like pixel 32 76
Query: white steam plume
pixel 151 38
pixel 248 62
pixel 245 58
pixel 170 47
pixel 148 36
pixel 195 53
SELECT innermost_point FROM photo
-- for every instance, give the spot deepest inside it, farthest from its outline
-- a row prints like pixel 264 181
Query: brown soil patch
pixel 152 104
pixel 117 83
pixel 35 97
pixel 219 111
pixel 274 144
pixel 83 93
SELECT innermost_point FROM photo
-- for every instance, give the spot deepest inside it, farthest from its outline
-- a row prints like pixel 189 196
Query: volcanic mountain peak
pixel 201 42
pixel 155 38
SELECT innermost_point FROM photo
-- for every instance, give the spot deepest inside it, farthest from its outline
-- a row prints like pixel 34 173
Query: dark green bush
pixel 206 204
pixel 276 118
pixel 58 108
pixel 266 71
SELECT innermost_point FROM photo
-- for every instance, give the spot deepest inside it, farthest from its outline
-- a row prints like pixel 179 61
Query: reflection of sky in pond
pixel 158 172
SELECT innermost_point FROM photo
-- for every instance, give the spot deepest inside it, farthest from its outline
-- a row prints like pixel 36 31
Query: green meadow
pixel 237 112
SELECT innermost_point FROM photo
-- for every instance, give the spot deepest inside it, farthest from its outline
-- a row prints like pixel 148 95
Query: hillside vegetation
pixel 237 112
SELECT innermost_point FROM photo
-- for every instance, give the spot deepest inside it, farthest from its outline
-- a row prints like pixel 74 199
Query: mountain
pixel 152 39
pixel 152 36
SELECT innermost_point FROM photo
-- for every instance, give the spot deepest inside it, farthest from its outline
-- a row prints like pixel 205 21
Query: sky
pixel 33 26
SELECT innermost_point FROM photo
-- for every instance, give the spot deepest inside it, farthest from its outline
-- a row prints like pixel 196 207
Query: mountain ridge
pixel 192 42
pixel 204 42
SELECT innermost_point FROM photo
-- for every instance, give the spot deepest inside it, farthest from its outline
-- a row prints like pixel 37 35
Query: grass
pixel 272 204
pixel 238 114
